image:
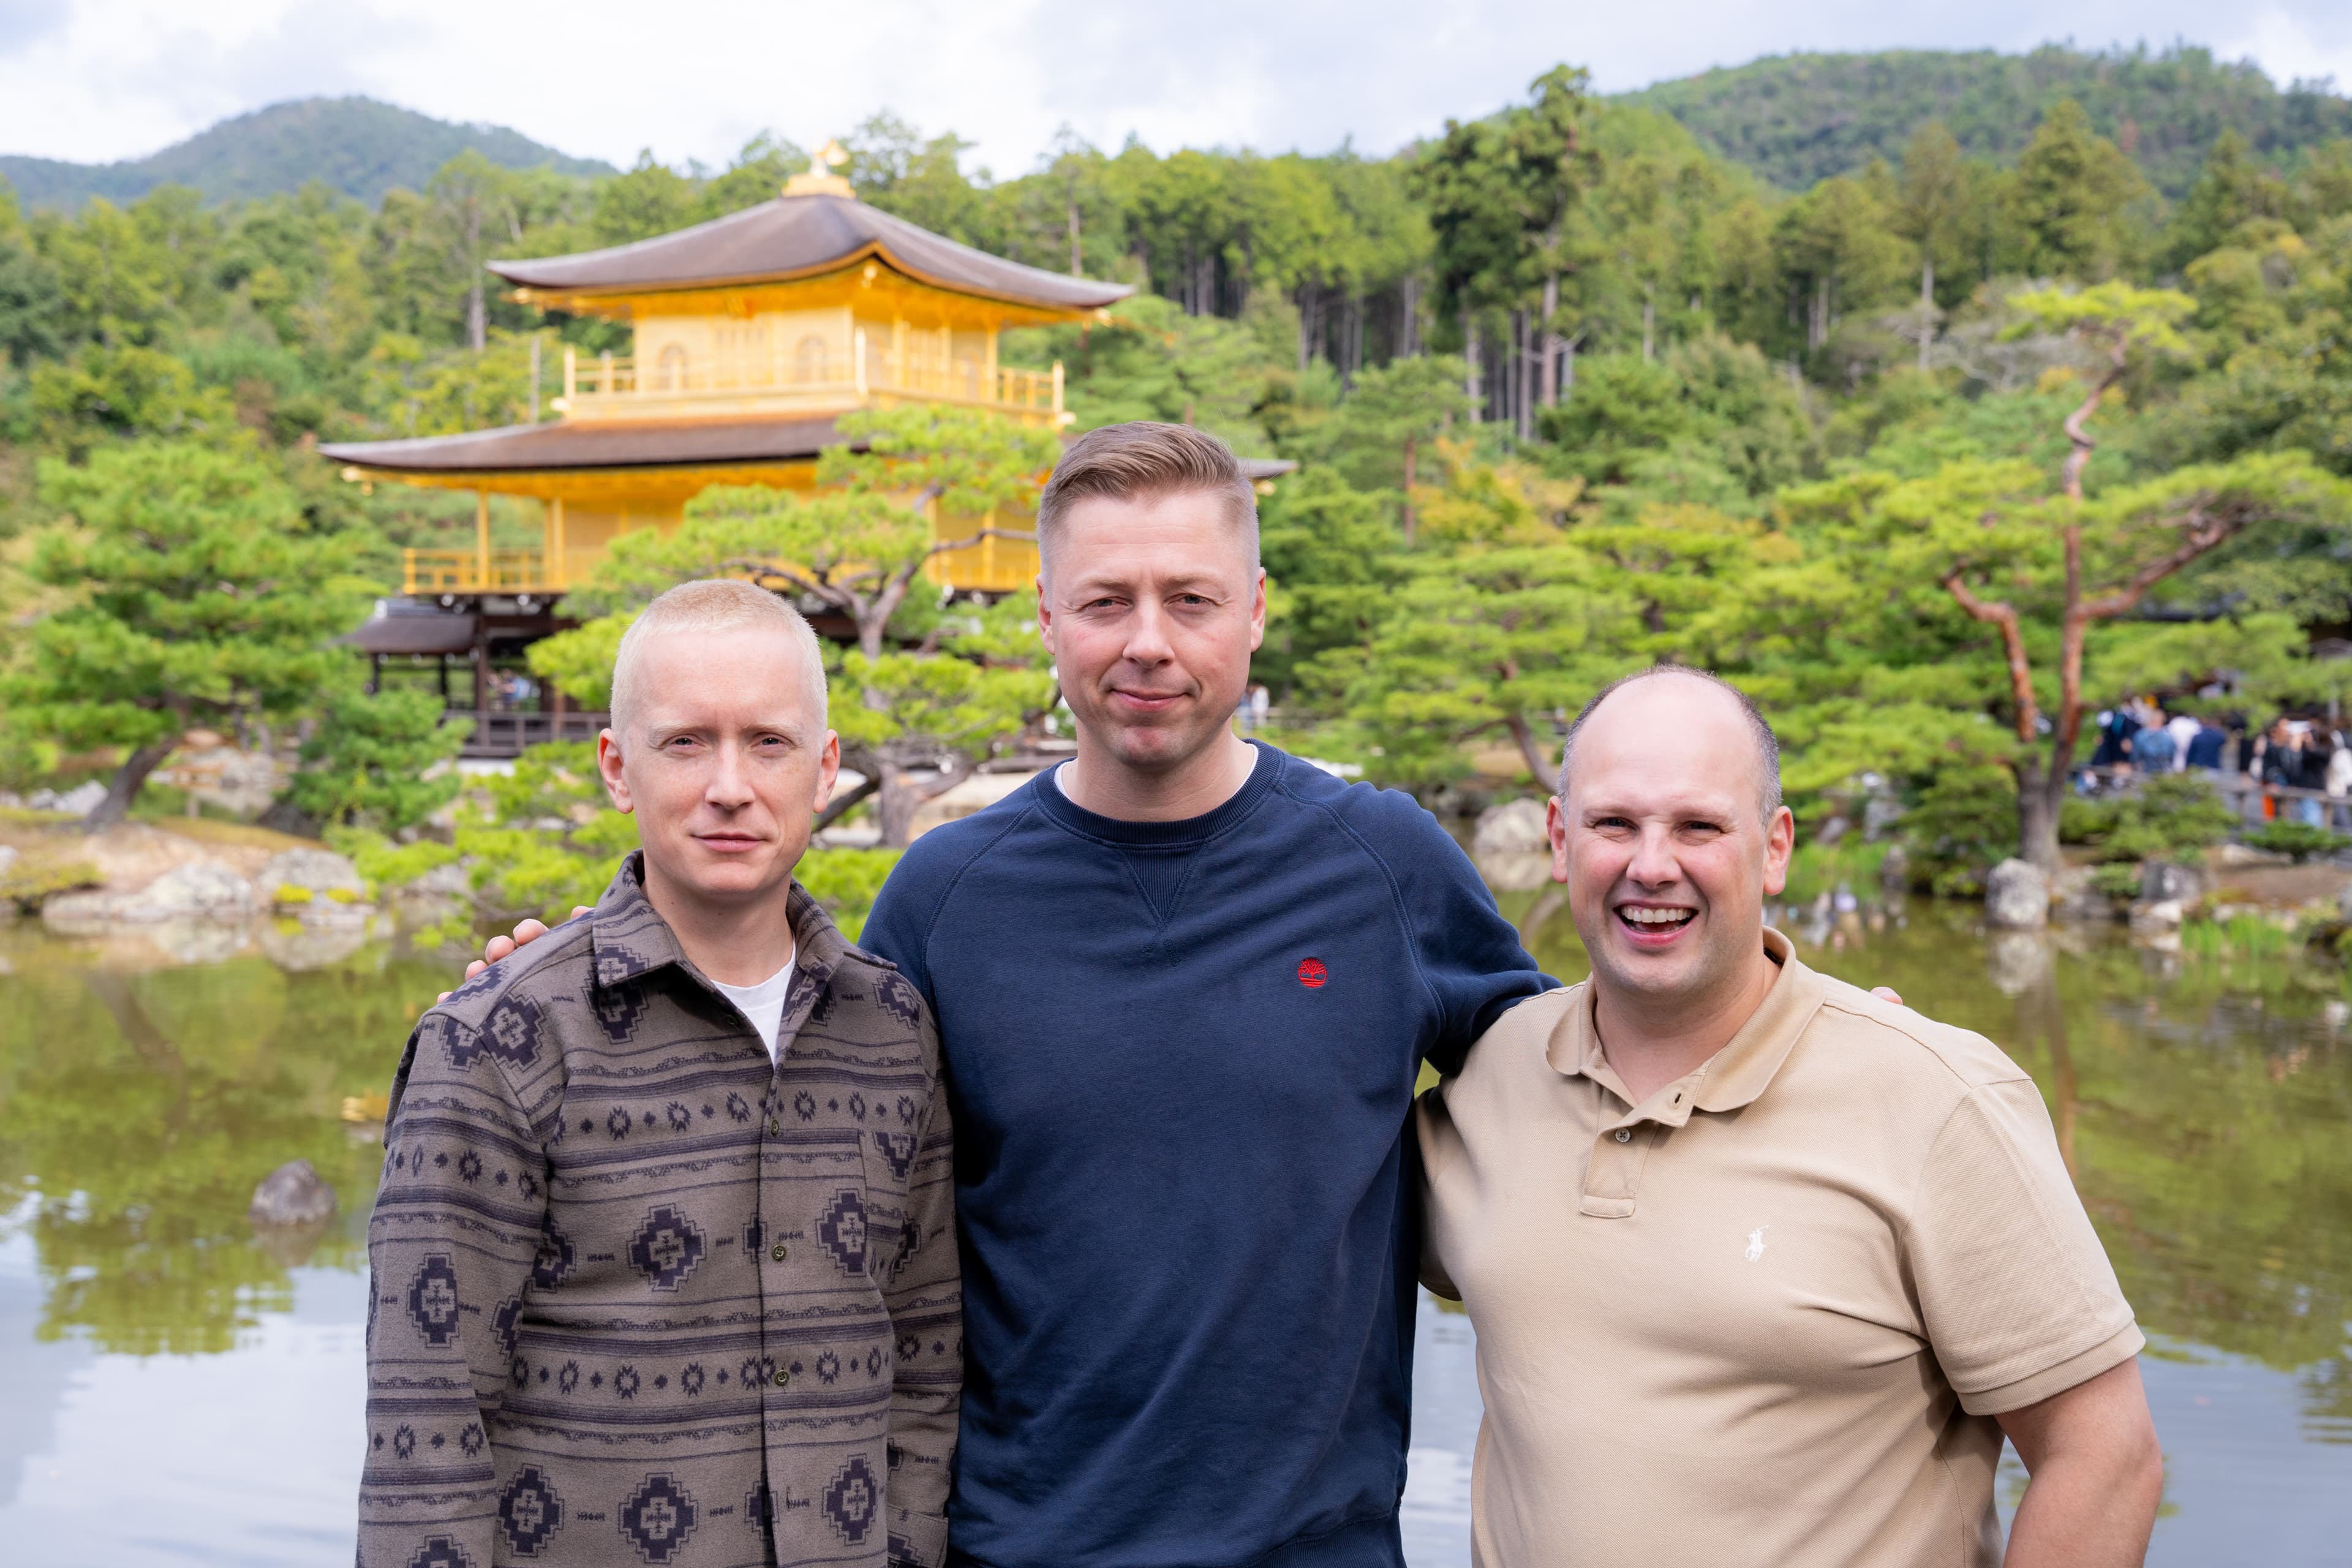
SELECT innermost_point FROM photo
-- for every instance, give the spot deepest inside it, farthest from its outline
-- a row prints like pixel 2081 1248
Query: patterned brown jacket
pixel 640 1297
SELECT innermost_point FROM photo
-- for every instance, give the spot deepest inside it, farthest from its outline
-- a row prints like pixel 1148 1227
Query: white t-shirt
pixel 764 1004
pixel 2184 730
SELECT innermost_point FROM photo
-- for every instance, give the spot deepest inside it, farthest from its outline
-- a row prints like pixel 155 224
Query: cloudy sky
pixel 99 79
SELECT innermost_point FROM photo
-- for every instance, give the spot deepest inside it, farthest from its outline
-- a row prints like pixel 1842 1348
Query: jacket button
pixel 777 1252
pixel 774 1127
pixel 783 1377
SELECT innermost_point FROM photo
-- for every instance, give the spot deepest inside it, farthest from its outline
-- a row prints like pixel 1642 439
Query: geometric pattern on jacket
pixel 640 1296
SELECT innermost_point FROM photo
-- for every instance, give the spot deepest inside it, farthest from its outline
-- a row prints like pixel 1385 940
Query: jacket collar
pixel 630 938
pixel 1735 1076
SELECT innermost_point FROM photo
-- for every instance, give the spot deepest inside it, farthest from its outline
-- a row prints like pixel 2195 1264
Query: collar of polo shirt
pixel 1734 1077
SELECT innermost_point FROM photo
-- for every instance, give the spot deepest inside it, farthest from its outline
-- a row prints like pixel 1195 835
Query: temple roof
pixel 795 236
pixel 598 443
pixel 399 628
pixel 602 444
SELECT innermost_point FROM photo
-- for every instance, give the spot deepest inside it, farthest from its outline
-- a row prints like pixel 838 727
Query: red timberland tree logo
pixel 1312 975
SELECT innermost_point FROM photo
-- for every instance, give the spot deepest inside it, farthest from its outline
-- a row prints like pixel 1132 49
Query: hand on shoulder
pixel 498 947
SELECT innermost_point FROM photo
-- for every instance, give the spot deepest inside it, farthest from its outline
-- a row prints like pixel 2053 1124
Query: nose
pixel 1654 863
pixel 730 785
pixel 1147 635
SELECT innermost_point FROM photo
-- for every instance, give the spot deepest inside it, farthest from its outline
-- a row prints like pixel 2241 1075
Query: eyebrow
pixel 666 731
pixel 1680 812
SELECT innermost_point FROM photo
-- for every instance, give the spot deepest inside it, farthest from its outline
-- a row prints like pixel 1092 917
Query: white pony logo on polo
pixel 1755 1253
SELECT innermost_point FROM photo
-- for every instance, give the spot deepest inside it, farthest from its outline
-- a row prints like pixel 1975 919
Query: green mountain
pixel 357 145
pixel 1796 118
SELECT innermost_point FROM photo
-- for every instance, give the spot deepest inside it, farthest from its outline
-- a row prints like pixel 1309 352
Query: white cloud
pixel 94 79
pixel 2306 47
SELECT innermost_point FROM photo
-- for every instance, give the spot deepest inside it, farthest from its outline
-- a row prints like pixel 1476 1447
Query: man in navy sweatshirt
pixel 1184 984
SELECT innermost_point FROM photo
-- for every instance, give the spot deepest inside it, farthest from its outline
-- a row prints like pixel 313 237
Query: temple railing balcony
pixel 992 565
pixel 621 386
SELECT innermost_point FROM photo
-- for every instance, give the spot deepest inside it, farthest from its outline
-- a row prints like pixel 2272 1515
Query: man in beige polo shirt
pixel 1761 1268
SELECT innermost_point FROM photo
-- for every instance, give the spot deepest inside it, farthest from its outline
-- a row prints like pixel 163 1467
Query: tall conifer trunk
pixel 1470 387
pixel 1550 341
pixel 1927 308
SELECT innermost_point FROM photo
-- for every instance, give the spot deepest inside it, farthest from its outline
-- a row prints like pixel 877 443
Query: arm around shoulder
pixel 1469 956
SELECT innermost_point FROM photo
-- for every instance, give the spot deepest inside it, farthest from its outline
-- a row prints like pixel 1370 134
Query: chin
pixel 712 876
pixel 1160 745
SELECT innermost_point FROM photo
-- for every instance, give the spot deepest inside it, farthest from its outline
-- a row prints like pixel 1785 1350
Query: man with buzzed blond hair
pixel 1762 1268
pixel 664 1261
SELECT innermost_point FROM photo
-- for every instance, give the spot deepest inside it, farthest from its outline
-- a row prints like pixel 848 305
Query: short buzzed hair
pixel 1768 744
pixel 1143 460
pixel 713 605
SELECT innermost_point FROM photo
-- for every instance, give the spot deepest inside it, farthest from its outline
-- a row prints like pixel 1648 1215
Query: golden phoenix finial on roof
pixel 821 180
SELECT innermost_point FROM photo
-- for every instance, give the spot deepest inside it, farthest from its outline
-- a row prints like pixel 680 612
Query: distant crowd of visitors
pixel 2137 735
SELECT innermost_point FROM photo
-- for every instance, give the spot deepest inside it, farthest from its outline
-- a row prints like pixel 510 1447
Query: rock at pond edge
pixel 1513 827
pixel 2017 896
pixel 292 1194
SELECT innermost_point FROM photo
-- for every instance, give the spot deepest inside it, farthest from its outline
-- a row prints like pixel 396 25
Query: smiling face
pixel 1152 608
pixel 726 762
pixel 1661 840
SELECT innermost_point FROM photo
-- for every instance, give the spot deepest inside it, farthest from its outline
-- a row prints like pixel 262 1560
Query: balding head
pixel 1669 835
pixel 1764 746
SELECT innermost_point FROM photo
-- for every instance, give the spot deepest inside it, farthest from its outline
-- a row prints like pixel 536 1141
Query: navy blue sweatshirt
pixel 1180 1057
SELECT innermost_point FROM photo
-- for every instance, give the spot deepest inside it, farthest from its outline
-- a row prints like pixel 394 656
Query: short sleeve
pixel 2018 1296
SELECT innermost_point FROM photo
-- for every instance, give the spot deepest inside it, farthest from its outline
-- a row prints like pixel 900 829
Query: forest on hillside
pixel 354 145
pixel 1798 119
pixel 1936 457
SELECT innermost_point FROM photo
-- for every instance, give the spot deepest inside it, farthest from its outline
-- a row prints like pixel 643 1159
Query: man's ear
pixel 1779 843
pixel 608 768
pixel 828 769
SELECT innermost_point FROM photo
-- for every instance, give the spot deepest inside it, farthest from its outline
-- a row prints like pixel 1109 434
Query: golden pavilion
pixel 752 334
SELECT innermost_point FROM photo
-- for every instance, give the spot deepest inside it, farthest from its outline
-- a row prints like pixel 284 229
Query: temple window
pixel 811 359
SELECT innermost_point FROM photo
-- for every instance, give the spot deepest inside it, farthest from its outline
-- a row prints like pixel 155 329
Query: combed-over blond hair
pixel 1143 460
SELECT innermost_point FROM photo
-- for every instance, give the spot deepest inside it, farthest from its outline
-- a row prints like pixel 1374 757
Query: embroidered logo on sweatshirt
pixel 1312 975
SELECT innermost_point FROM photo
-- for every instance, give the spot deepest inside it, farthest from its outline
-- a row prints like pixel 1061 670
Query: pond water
pixel 176 1392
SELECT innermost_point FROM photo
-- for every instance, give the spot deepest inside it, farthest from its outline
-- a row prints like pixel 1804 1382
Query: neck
pixel 1098 779
pixel 1652 1040
pixel 733 944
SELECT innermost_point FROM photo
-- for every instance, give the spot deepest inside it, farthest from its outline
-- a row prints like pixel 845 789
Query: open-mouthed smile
pixel 1654 925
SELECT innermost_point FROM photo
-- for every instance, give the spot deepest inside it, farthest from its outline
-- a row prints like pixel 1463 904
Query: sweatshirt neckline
pixel 1066 813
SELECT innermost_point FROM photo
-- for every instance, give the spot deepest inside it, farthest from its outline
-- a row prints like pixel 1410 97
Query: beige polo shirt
pixel 1767 1315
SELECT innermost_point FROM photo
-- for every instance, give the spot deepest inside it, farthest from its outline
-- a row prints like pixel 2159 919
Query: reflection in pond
pixel 2202 1096
pixel 140 1111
